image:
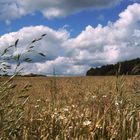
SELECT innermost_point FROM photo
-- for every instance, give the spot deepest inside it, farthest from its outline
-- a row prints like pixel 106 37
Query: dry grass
pixel 72 108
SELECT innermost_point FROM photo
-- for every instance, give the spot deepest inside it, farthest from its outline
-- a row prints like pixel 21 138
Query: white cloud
pixel 51 45
pixel 92 47
pixel 12 9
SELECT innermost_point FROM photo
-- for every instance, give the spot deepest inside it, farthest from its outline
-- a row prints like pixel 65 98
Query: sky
pixel 80 34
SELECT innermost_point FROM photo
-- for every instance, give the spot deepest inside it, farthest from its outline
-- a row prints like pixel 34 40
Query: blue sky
pixel 77 23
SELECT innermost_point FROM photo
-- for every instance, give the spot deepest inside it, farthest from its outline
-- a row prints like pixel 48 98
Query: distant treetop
pixel 130 67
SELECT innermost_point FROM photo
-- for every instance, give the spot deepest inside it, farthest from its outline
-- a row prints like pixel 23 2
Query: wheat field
pixel 70 108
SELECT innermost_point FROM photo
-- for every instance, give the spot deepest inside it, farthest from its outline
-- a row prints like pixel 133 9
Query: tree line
pixel 130 67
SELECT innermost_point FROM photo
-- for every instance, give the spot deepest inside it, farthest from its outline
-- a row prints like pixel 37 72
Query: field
pixel 70 108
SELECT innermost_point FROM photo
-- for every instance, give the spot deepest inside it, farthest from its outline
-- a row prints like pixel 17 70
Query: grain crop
pixel 70 108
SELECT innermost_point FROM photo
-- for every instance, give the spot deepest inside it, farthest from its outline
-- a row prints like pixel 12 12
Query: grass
pixel 66 108
pixel 70 108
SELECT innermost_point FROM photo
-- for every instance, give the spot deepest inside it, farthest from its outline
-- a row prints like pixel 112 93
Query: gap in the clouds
pixel 75 23
pixel 3 28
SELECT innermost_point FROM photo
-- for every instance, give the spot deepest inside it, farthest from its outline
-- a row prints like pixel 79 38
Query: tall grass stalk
pixel 107 110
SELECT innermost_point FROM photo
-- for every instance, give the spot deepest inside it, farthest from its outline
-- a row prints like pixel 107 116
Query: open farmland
pixel 71 108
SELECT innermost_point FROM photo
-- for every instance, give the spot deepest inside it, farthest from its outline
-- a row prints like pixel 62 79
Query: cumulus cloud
pixel 12 9
pixel 110 43
pixel 92 47
pixel 51 45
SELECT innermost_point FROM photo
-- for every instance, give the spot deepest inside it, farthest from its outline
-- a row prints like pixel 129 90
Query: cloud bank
pixel 92 47
pixel 12 9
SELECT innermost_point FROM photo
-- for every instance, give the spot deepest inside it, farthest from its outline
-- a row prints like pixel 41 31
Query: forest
pixel 129 67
